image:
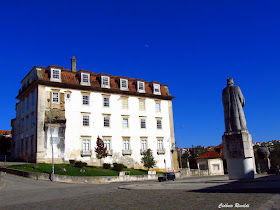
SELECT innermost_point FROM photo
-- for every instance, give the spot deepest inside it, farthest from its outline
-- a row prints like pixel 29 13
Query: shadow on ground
pixel 267 184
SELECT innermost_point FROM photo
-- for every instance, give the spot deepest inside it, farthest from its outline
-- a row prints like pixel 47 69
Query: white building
pixel 130 115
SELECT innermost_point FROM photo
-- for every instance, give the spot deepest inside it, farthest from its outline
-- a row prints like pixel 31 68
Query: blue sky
pixel 193 46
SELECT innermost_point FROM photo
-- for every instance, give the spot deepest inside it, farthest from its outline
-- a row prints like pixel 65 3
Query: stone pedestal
pixel 239 154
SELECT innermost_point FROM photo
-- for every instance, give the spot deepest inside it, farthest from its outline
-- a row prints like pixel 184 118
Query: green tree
pixel 101 150
pixel 5 145
pixel 148 159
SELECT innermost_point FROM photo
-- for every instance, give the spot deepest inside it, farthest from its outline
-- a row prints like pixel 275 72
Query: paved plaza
pixel 209 192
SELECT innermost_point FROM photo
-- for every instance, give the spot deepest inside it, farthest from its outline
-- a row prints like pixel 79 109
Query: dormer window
pixel 85 79
pixel 141 86
pixel 157 89
pixel 105 82
pixel 55 75
pixel 123 84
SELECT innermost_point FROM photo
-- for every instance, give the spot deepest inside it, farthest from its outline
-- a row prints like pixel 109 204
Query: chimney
pixel 73 64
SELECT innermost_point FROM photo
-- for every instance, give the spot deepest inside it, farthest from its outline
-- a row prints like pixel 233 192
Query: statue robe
pixel 234 102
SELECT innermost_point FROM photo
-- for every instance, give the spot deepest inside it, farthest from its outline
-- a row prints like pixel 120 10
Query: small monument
pixel 263 154
pixel 237 141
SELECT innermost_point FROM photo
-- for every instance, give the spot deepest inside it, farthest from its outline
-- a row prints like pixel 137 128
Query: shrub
pixel 72 161
pixel 106 165
pixel 80 164
pixel 118 167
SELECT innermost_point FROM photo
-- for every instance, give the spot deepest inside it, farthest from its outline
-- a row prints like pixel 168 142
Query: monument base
pixel 239 154
pixel 241 168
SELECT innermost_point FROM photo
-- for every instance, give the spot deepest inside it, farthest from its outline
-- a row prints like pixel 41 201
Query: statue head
pixel 230 82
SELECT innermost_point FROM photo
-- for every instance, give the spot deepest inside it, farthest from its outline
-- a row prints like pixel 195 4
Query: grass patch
pixel 74 171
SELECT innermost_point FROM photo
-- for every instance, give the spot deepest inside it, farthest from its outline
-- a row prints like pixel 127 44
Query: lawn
pixel 74 171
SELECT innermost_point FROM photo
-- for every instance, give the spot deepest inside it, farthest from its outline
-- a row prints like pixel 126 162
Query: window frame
pixel 55 75
pixel 85 120
pixel 139 84
pixel 86 99
pixel 86 145
pixel 121 84
pixel 142 105
pixel 144 146
pixel 126 144
pixel 27 122
pixel 124 102
pixel 106 103
pixel 159 123
pixel 125 122
pixel 143 122
pixel 158 108
pixel 156 87
pixel 57 98
pixel 83 76
pixel 107 141
pixel 32 119
pixel 106 121
pixel 103 79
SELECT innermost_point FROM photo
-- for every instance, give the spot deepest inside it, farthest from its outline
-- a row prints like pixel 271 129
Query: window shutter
pixel 62 101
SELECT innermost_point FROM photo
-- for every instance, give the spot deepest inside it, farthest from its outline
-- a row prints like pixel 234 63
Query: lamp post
pixel 180 148
pixel 50 122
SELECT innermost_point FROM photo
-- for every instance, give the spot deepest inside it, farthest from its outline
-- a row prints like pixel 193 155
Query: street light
pixel 50 122
pixel 180 148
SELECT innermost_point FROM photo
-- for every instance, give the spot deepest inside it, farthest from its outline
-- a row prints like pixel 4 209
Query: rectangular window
pixel 105 83
pixel 107 144
pixel 144 145
pixel 22 124
pixel 33 99
pixel 123 84
pixel 27 123
pixel 159 125
pixel 85 78
pixel 158 106
pixel 141 86
pixel 23 105
pixel 142 105
pixel 106 101
pixel 126 145
pixel 160 145
pixel 56 74
pixel 55 98
pixel 125 122
pixel 125 103
pixel 85 120
pixel 32 120
pixel 106 121
pixel 216 167
pixel 85 99
pixel 27 103
pixel 86 146
pixel 143 123
pixel 157 89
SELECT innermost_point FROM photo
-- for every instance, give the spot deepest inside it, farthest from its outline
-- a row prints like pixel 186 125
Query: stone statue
pixel 234 102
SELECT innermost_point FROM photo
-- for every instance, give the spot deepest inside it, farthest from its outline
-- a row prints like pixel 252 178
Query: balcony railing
pixel 161 151
pixel 127 152
pixel 86 153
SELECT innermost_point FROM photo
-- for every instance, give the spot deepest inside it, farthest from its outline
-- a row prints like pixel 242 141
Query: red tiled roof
pixel 215 152
pixel 209 154
pixel 5 132
pixel 72 78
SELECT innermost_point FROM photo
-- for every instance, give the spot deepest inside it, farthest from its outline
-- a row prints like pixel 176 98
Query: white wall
pixel 74 129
